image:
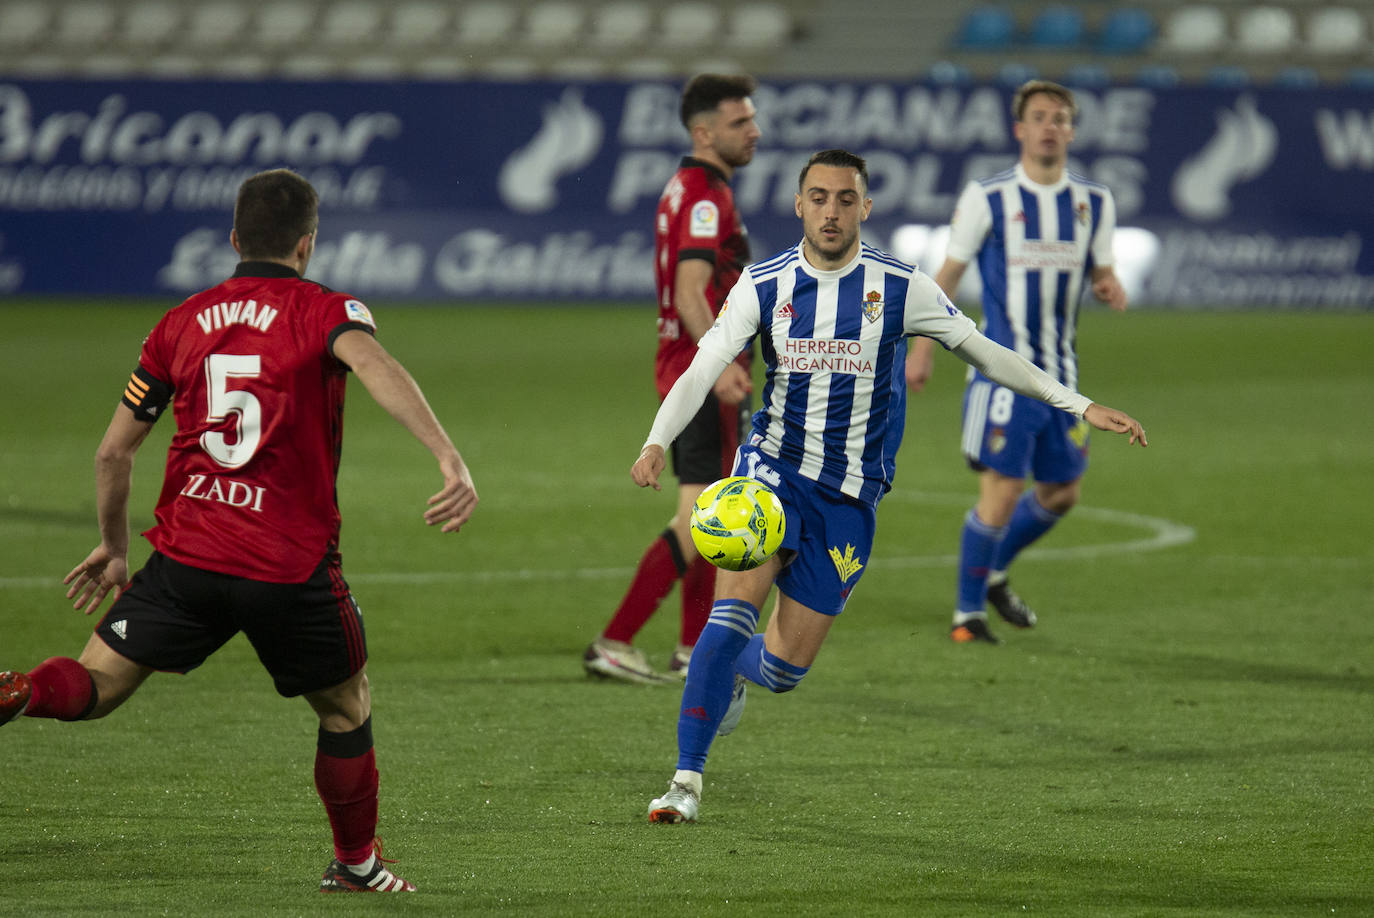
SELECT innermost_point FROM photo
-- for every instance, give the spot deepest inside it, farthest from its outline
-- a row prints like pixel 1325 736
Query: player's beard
pixel 831 251
pixel 736 158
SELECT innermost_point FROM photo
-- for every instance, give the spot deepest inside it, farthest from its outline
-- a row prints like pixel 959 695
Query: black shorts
pixel 308 635
pixel 705 450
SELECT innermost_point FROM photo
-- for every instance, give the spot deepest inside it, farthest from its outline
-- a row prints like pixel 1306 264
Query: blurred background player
pixel 1040 234
pixel 247 529
pixel 700 247
pixel 834 314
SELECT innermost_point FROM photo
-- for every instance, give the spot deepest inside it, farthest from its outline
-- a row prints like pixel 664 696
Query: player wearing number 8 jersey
pixel 247 522
pixel 1040 235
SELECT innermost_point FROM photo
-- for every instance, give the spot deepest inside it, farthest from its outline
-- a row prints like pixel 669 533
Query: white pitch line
pixel 1160 534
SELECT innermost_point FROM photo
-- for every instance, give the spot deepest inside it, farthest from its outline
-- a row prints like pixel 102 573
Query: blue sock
pixel 711 679
pixel 1029 522
pixel 977 547
pixel 762 668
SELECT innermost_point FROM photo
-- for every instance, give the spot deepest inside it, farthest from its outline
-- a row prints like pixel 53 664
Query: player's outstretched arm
pixel 106 568
pixel 396 391
pixel 648 467
pixel 1004 366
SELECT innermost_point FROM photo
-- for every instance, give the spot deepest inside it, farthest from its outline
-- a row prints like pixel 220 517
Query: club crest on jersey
pixel 1020 217
pixel 705 222
pixel 1082 211
pixel 873 305
pixel 357 312
pixel 784 312
pixel 997 440
pixel 846 565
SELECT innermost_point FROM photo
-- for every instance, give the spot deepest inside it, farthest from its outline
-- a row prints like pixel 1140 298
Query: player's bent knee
pixel 779 676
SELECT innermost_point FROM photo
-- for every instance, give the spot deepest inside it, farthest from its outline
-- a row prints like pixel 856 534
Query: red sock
pixel 698 593
pixel 62 689
pixel 346 778
pixel 661 565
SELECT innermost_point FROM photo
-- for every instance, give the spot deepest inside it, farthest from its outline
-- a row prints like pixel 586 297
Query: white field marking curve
pixel 1157 534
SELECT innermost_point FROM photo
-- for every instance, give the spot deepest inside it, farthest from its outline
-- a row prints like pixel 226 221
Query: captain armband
pixel 146 395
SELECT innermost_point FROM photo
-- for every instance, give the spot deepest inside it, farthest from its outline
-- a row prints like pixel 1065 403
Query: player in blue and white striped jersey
pixel 1040 235
pixel 832 315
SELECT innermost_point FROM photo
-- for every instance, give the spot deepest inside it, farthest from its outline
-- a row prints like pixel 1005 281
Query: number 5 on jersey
pixel 241 404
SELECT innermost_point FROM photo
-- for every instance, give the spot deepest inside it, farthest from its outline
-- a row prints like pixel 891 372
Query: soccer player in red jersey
pixel 247 527
pixel 700 248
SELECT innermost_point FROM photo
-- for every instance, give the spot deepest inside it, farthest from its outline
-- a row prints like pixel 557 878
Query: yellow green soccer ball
pixel 738 523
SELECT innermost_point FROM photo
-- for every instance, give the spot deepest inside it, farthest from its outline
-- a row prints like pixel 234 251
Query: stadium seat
pixel 987 28
pixel 759 25
pixel 1195 30
pixel 690 24
pixel 554 23
pixel 441 67
pixel 374 66
pixel 1157 76
pixel 948 73
pixel 487 24
pixel 511 67
pixel 578 67
pixel 617 25
pixel 1056 28
pixel 1266 30
pixel 419 23
pixel 108 64
pixel 647 68
pixel 173 65
pixel 247 66
pixel 150 23
pixel 215 24
pixel 350 22
pixel 310 66
pixel 1296 77
pixel 1014 73
pixel 283 24
pixel 1129 30
pixel 1336 30
pixel 83 24
pixel 1087 76
pixel 1226 76
pixel 1360 78
pixel 24 23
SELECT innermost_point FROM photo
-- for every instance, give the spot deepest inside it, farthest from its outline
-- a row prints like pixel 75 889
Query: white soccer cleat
pixel 617 660
pixel 730 721
pixel 678 805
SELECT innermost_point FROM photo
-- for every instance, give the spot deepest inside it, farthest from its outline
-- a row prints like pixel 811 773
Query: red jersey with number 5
pixel 696 219
pixel 258 399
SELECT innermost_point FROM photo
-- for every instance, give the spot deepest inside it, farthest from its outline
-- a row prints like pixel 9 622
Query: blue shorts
pixel 1020 436
pixel 829 535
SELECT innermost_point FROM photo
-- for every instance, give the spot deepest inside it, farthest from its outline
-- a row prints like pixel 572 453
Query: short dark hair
pixel 1030 88
pixel 273 211
pixel 708 90
pixel 841 158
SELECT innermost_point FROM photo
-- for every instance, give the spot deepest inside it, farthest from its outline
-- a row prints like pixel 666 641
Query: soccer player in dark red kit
pixel 700 248
pixel 247 527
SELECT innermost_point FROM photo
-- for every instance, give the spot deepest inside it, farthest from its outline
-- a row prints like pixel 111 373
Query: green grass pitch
pixel 1187 732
